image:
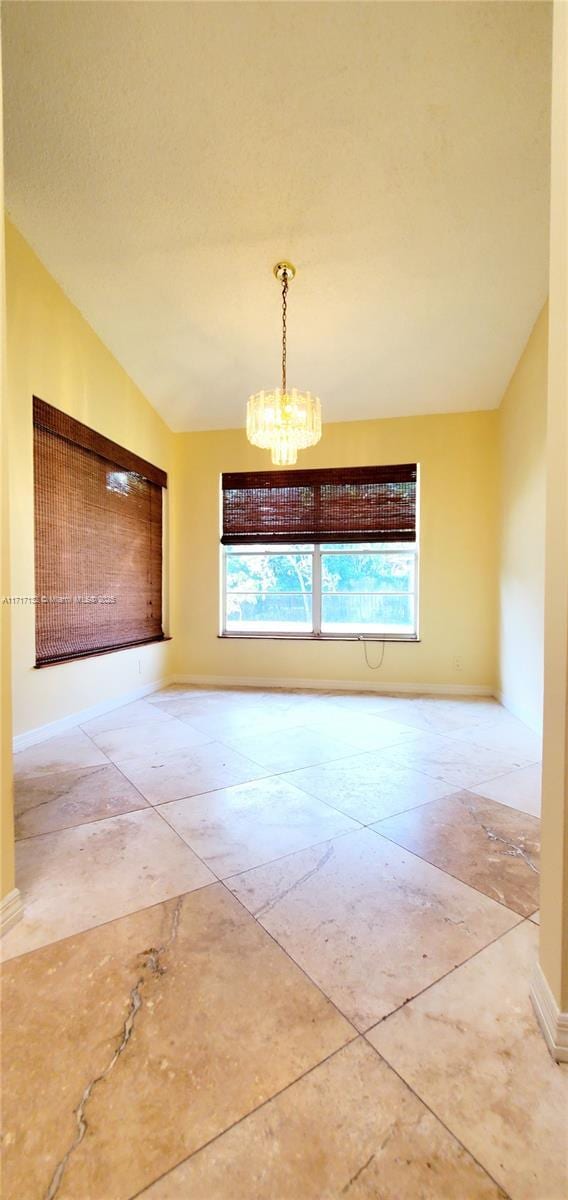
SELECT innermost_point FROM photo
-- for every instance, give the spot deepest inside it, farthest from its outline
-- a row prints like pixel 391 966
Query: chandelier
pixel 284 420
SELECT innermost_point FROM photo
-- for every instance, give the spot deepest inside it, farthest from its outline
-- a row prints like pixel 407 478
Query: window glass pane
pixel 269 573
pixel 367 572
pixel 371 614
pixel 269 613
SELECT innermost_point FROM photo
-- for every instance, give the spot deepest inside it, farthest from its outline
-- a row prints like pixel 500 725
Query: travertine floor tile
pixel 489 846
pixel 230 723
pixel 65 752
pixel 140 712
pixel 291 748
pixel 190 772
pixel 367 788
pixel 363 731
pixel 218 703
pixel 536 917
pixel 446 758
pixel 507 735
pixel 241 827
pixel 470 1047
pixel 148 743
pixel 164 1028
pixel 370 923
pixel 519 789
pixel 77 878
pixel 44 803
pixel 348 1128
pixel 439 714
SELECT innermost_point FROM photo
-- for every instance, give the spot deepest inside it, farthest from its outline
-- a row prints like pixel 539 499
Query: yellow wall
pixel 6 799
pixel 554 859
pixel 53 353
pixel 459 508
pixel 522 424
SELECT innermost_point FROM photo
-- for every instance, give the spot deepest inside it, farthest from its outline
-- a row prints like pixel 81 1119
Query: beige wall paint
pixel 554 878
pixel 458 456
pixel 6 797
pixel 522 439
pixel 54 353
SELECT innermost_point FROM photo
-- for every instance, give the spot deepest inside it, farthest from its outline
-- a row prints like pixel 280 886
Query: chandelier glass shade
pixel 283 420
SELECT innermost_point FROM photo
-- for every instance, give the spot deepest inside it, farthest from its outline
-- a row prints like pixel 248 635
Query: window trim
pixel 316 634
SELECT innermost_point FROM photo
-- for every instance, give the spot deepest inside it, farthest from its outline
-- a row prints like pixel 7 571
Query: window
pixel 98 541
pixel 362 583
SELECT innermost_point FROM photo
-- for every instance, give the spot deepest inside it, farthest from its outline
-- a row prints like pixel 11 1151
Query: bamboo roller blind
pixel 98 541
pixel 354 504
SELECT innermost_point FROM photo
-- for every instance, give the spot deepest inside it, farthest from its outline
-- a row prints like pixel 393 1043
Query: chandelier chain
pixel 284 330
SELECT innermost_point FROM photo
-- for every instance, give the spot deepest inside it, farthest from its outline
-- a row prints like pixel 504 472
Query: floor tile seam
pixel 145 804
pixel 505 774
pixel 444 870
pixel 267 863
pixel 458 736
pixel 154 724
pixel 353 752
pixel 375 820
pixel 258 1108
pixel 447 974
pixel 369 828
pixel 32 837
pixel 148 804
pixel 460 786
pixel 491 750
pixel 441 1121
pixel 280 858
pixel 298 966
pixel 110 921
pixel 120 728
pixel 520 921
pixel 265 773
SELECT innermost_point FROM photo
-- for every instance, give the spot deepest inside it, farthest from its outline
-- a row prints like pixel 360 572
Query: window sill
pixel 315 637
pixel 58 662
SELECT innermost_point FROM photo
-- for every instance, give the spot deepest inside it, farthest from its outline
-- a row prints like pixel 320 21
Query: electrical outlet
pixel 139 666
pixel 458 666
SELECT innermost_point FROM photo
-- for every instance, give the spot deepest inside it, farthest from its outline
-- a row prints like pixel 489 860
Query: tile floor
pixel 278 946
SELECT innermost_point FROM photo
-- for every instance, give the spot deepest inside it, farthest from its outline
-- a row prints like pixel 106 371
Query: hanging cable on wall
pixel 371 666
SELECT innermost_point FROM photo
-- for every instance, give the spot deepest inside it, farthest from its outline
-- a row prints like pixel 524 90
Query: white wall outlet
pixel 139 666
pixel 458 665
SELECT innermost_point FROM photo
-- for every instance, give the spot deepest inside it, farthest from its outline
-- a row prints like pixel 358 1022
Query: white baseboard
pixel 11 909
pixel 32 736
pixel 553 1022
pixel 339 685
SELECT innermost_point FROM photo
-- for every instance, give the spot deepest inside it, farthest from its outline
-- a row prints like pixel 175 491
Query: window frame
pixel 317 634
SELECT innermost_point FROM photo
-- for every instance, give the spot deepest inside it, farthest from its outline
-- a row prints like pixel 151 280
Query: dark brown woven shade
pixel 98 541
pixel 354 504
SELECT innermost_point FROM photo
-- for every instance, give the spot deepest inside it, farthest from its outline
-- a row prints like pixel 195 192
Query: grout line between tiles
pixel 444 871
pixel 457 967
pixel 248 1114
pixel 438 1118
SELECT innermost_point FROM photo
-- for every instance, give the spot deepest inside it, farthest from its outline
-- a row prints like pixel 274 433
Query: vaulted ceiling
pixel 160 157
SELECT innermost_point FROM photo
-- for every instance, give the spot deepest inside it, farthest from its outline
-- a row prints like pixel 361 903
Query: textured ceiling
pixel 162 156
